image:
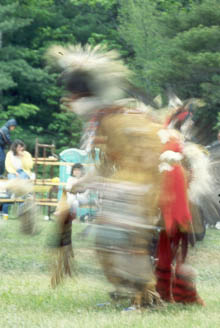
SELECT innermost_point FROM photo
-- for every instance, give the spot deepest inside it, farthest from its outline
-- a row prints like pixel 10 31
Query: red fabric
pixel 183 288
pixel 163 267
pixel 174 145
pixel 178 285
pixel 174 286
pixel 173 201
pixel 179 117
pixel 182 116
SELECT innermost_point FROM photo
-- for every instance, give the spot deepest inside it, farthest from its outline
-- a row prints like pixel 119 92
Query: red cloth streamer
pixel 163 267
pixel 174 145
pixel 179 117
pixel 174 285
pixel 182 116
pixel 173 201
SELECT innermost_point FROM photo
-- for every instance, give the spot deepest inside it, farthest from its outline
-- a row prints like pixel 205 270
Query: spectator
pixel 5 140
pixel 18 161
pixel 18 164
pixel 80 198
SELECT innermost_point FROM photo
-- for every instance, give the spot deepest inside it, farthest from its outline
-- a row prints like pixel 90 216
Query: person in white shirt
pixel 18 164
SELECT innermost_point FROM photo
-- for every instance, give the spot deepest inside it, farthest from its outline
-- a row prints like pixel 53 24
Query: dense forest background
pixel 172 43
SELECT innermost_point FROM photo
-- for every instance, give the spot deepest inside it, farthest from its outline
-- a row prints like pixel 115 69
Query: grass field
pixel 27 300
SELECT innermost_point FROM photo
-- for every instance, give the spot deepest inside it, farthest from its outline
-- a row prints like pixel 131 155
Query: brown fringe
pixel 63 257
pixel 28 216
pixel 62 265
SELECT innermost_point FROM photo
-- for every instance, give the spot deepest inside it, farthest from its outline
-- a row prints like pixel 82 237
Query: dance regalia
pixel 175 281
pixel 141 179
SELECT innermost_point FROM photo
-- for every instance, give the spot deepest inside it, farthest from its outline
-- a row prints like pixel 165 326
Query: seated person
pixel 80 198
pixel 18 162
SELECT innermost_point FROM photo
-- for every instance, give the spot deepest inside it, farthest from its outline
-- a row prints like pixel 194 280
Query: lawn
pixel 27 300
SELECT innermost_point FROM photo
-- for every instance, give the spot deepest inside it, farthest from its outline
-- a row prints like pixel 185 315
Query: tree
pixel 177 46
pixel 29 91
pixel 28 86
pixel 9 24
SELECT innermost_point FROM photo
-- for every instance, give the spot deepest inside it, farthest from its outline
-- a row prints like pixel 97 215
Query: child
pixel 77 199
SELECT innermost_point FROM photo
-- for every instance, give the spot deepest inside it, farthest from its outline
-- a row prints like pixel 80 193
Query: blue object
pixel 103 304
pixel 130 308
pixel 2 160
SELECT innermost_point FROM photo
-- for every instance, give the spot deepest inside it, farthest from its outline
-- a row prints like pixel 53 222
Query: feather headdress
pixel 91 72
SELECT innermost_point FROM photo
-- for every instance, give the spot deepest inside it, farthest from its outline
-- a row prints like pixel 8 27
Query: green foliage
pixel 163 41
pixel 26 83
pixel 68 129
pixel 104 3
pixel 10 22
pixel 176 44
pixel 22 110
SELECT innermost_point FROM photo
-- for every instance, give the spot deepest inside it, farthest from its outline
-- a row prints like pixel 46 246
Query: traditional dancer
pixel 142 177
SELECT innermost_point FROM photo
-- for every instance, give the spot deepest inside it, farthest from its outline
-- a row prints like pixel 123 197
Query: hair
pixel 77 166
pixel 15 144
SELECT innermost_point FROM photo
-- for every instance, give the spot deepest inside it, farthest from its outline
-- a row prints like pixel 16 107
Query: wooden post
pixel 36 157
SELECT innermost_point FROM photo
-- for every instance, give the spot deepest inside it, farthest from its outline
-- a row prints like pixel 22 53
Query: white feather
pixel 175 102
pixel 165 167
pixel 201 183
pixel 166 134
pixel 108 75
pixel 170 155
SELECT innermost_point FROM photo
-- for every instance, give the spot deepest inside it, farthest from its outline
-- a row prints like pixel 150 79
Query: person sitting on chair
pixel 18 162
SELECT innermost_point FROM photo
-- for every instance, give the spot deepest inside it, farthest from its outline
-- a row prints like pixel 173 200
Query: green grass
pixel 27 300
